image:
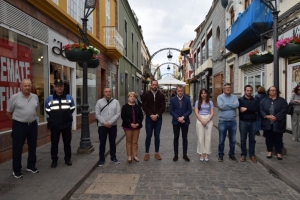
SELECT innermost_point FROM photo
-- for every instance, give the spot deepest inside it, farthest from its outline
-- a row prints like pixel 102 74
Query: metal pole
pixel 85 141
pixel 275 52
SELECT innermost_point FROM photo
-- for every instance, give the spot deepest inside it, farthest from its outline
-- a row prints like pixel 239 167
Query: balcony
pixel 205 66
pixel 245 31
pixel 112 38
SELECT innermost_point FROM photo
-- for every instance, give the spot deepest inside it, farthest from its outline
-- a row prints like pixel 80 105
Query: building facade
pixel 32 34
pixel 130 65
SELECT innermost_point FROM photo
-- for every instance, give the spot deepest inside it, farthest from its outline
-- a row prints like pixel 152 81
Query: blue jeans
pixel 150 126
pixel 225 126
pixel 247 128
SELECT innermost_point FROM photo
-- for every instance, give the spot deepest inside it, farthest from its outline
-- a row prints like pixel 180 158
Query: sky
pixel 169 23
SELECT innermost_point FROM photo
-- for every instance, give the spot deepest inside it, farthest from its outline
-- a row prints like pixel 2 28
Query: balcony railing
pixel 112 38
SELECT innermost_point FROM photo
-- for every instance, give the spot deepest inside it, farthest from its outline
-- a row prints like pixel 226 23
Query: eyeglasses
pixel 273 90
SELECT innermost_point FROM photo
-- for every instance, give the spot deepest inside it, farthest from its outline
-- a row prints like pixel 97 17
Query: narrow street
pixel 166 179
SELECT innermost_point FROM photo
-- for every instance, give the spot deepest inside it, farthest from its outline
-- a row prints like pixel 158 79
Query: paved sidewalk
pixel 63 181
pixel 49 183
pixel 287 169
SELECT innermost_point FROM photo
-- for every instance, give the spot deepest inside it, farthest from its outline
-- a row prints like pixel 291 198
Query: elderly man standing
pixel 108 111
pixel 180 109
pixel 22 109
pixel 228 103
pixel 60 107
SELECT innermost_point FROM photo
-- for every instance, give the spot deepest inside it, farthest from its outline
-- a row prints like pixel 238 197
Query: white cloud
pixel 169 23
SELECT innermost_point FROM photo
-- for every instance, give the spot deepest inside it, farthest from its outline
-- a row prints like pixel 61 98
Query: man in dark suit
pixel 180 109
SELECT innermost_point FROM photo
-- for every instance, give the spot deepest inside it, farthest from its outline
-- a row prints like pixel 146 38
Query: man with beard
pixel 60 107
pixel 154 105
pixel 248 109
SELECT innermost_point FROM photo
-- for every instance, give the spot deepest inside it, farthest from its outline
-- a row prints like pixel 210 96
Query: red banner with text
pixel 15 65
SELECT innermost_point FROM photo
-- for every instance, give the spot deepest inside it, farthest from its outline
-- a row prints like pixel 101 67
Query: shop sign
pixel 15 65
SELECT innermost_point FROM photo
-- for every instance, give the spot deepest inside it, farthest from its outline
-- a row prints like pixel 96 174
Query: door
pixel 218 83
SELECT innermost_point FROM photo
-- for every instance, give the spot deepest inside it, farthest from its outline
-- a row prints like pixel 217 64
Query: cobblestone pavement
pixel 166 179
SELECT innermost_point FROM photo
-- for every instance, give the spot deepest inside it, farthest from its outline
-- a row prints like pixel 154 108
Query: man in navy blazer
pixel 180 109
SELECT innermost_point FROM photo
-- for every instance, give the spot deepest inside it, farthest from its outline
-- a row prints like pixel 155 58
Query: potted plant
pixel 93 63
pixel 79 52
pixel 261 57
pixel 288 47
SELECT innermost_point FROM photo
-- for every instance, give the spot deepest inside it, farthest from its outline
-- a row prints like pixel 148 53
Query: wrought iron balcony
pixel 112 38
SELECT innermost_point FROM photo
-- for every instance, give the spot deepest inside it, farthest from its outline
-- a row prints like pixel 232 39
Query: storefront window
pixel 21 58
pixel 91 85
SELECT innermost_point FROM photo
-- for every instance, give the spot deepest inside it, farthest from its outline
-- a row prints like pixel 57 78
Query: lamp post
pixel 273 8
pixel 168 68
pixel 85 142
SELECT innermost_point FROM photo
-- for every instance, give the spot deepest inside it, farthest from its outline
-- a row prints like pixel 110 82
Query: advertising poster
pixel 15 65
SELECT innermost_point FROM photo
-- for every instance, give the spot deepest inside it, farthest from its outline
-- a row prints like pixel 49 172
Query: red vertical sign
pixel 15 65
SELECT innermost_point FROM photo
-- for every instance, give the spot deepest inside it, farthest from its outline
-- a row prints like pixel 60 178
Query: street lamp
pixel 85 141
pixel 169 55
pixel 273 7
pixel 168 68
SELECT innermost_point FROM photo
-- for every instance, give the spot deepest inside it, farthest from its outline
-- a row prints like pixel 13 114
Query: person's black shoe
pixel 220 159
pixel 175 158
pixel 186 158
pixel 257 133
pixel 233 158
pixel 54 164
pixel 68 162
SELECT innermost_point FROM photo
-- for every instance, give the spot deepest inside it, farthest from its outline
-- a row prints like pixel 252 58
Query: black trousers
pixel 184 132
pixel 20 132
pixel 112 135
pixel 67 137
pixel 274 139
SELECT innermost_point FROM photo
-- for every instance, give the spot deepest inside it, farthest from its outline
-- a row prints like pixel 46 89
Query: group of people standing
pixel 269 111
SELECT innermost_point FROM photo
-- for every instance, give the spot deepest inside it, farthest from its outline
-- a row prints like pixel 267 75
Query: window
pixel 107 12
pixel 55 1
pixel 76 11
pixel 255 79
pixel 198 58
pixel 91 84
pixel 209 44
pixel 21 58
pixel 203 52
pixel 137 52
pixel 132 82
pixel 231 16
pixel 132 51
pixel 125 38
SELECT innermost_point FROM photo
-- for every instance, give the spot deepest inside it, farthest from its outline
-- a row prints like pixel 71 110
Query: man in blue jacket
pixel 248 110
pixel 60 107
pixel 180 109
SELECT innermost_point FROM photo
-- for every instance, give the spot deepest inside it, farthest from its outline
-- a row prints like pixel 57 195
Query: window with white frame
pixel 76 11
pixel 107 12
pixel 254 80
pixel 55 1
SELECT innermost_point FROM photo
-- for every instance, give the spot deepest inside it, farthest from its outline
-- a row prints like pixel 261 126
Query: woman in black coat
pixel 273 110
pixel 132 117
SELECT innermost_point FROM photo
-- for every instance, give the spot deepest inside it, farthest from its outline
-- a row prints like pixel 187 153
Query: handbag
pixel 290 109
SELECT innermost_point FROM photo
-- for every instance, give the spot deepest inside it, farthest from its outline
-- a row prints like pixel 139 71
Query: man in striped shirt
pixel 60 107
